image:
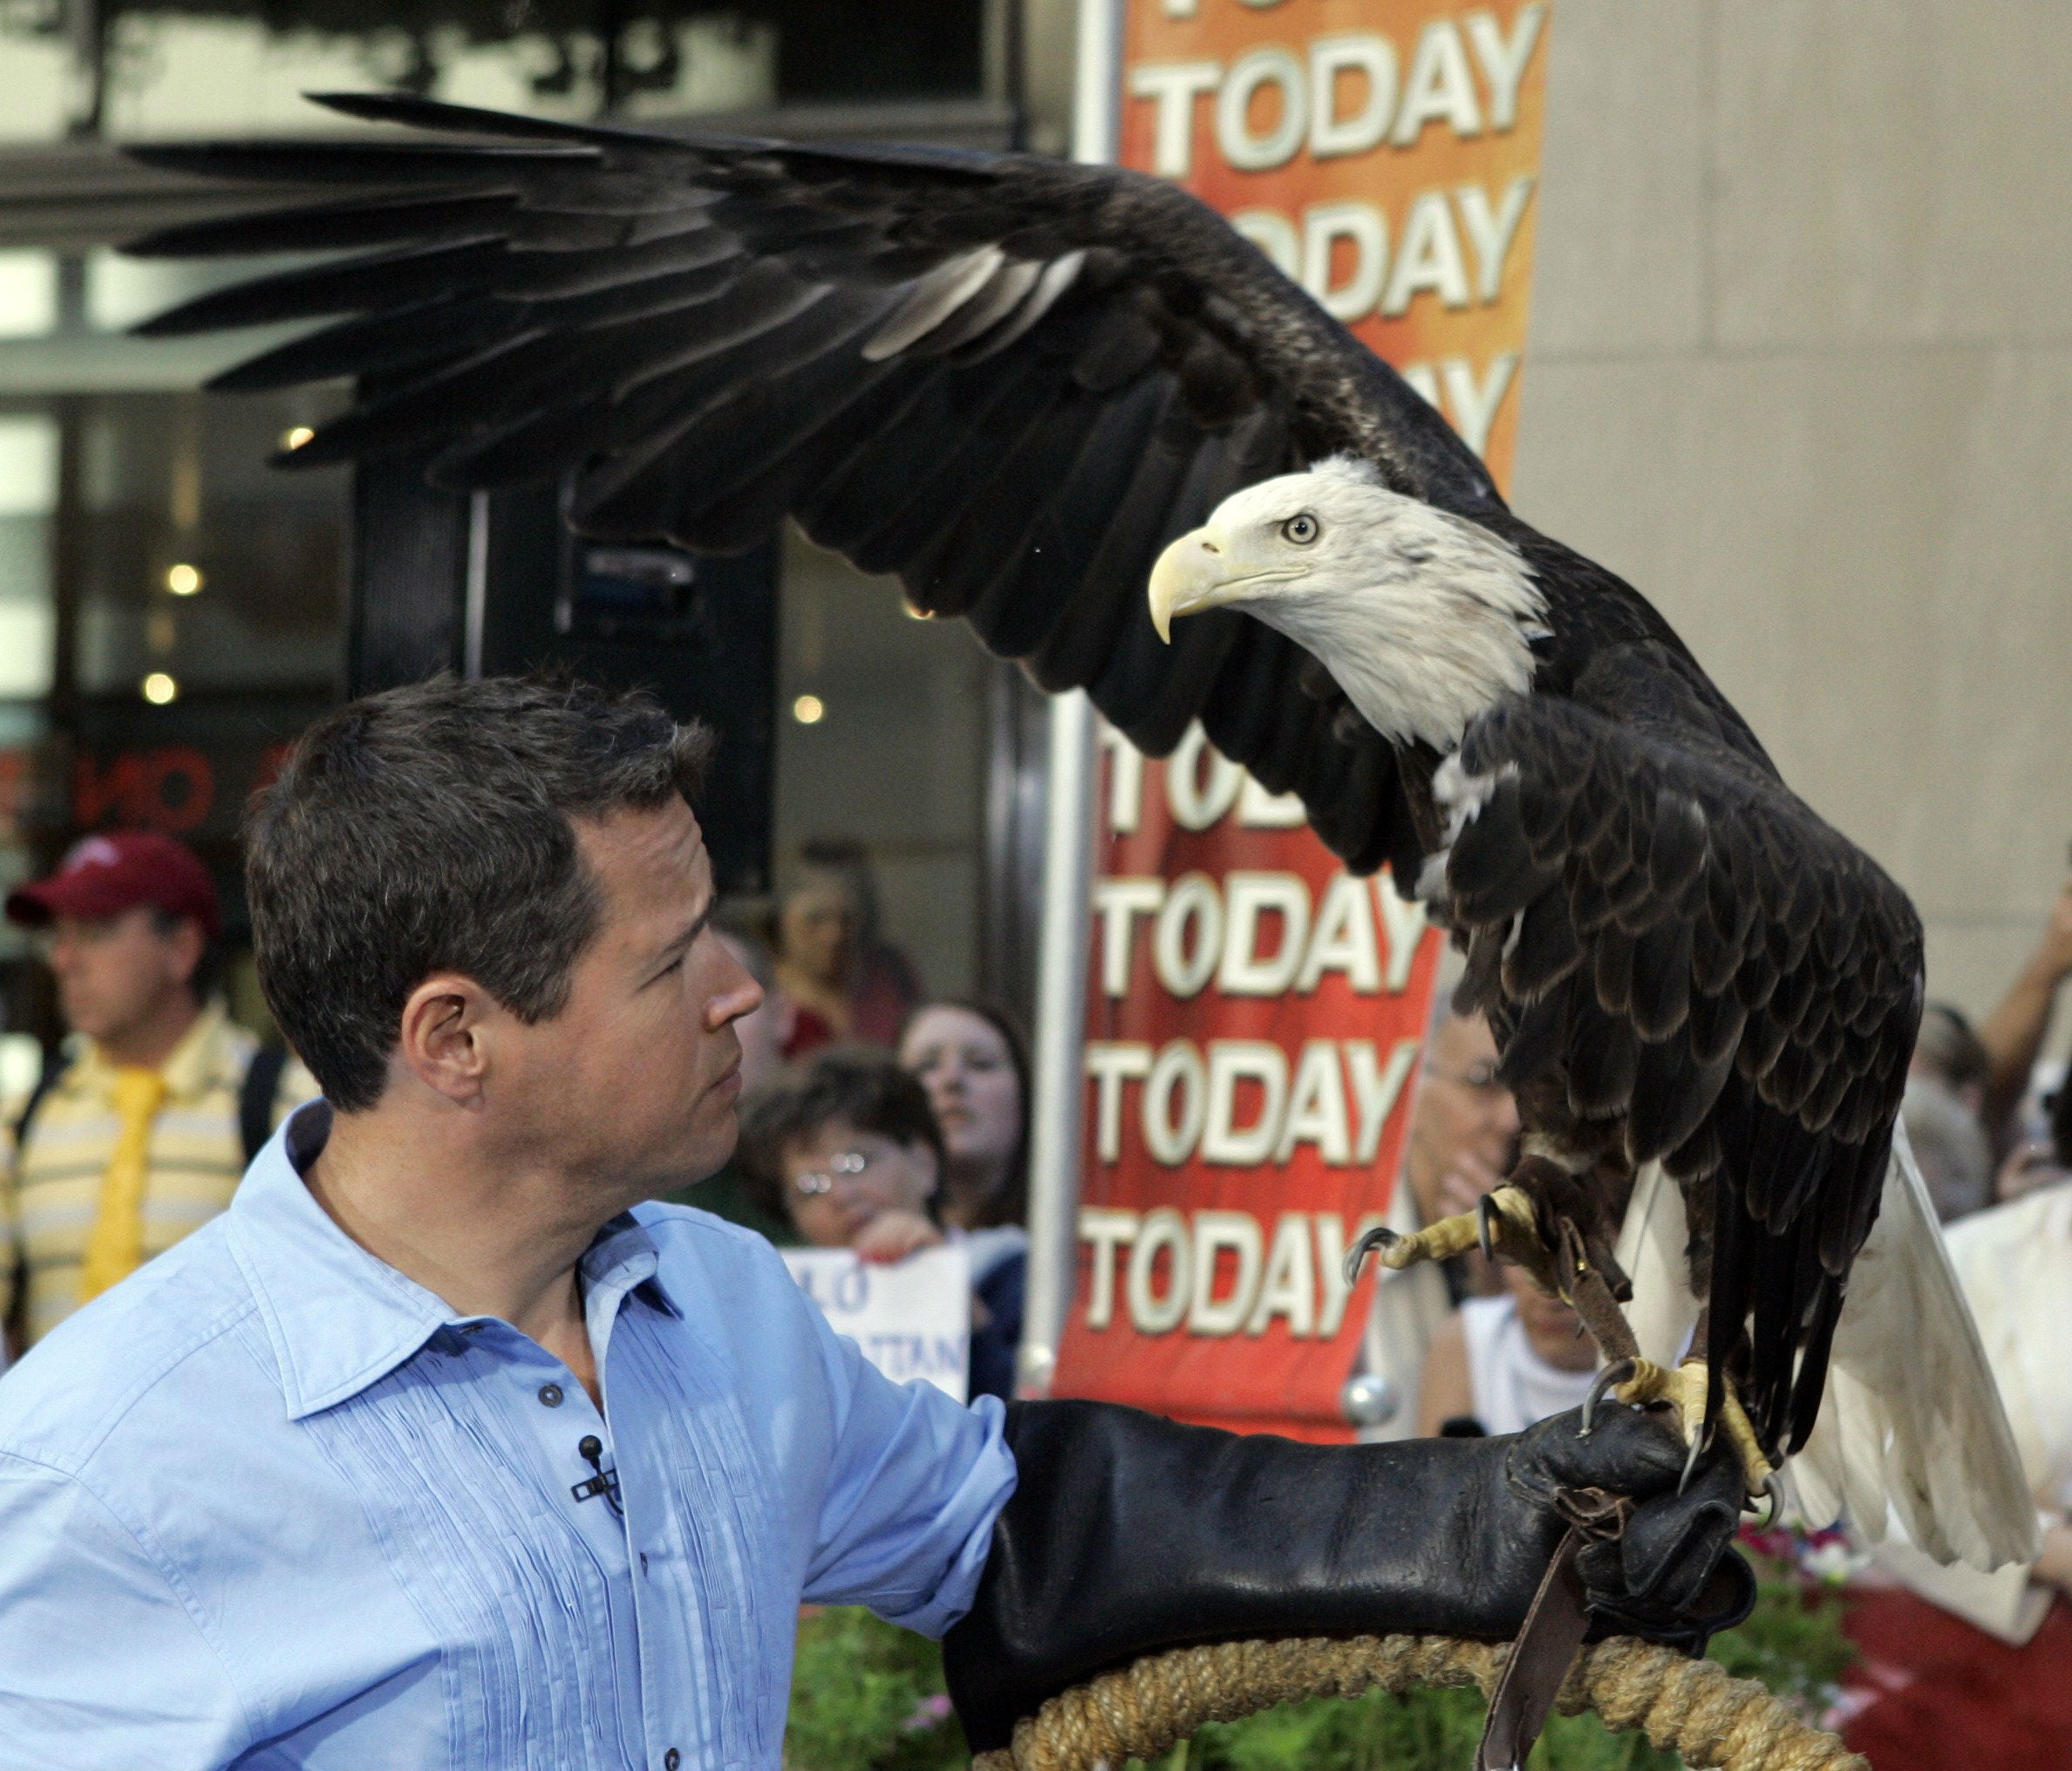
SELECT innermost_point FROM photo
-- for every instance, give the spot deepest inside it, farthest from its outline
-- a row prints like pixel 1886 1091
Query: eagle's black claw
pixel 1770 1494
pixel 1374 1237
pixel 1485 1213
pixel 1690 1458
pixel 1617 1373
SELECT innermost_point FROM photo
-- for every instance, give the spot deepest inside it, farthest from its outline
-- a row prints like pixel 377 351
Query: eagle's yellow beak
pixel 1187 577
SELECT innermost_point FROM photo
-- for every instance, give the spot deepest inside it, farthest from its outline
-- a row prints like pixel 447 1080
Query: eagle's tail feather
pixel 1912 1425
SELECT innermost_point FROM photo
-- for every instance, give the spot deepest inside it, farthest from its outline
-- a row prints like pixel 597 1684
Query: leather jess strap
pixel 1555 1627
pixel 1539 1661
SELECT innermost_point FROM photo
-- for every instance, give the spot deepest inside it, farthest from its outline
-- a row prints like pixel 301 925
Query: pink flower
pixel 930 1712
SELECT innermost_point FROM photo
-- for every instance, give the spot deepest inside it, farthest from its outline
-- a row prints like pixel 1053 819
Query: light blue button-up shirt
pixel 269 1504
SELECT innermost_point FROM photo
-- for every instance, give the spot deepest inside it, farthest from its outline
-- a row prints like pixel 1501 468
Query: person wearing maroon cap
pixel 139 1135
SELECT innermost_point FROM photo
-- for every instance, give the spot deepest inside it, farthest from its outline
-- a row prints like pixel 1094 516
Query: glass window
pixel 35 69
pixel 172 608
pixel 29 445
pixel 28 294
pixel 176 71
pixel 205 568
pixel 882 740
pixel 173 72
pixel 226 68
pixel 22 730
pixel 28 499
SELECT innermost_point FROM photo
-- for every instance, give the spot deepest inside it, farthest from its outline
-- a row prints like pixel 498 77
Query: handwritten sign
pixel 910 1319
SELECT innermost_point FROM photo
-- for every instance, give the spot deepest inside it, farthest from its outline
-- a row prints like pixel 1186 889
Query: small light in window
pixel 913 614
pixel 183 580
pixel 809 710
pixel 293 439
pixel 159 689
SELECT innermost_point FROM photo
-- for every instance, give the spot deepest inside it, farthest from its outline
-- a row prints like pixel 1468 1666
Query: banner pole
pixel 1067 867
pixel 1060 1018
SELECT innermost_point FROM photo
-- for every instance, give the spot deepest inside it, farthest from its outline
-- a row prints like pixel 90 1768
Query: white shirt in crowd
pixel 2015 1263
pixel 1512 1385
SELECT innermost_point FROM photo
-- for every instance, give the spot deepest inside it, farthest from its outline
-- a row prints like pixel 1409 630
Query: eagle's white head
pixel 1425 619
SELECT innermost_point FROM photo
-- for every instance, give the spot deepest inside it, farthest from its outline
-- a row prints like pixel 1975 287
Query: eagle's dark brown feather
pixel 1645 1014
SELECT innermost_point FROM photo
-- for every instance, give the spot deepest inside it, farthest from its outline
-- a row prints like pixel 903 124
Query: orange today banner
pixel 1384 153
pixel 1255 1017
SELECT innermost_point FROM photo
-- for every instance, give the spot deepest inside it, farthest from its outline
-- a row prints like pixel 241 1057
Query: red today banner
pixel 1253 1036
pixel 1255 1016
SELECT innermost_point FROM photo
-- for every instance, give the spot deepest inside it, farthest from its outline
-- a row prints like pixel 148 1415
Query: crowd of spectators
pixel 888 1152
pixel 872 1118
pixel 2013 1254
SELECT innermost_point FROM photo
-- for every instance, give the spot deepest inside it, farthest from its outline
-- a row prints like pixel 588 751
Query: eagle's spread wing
pixel 1009 380
pixel 1667 939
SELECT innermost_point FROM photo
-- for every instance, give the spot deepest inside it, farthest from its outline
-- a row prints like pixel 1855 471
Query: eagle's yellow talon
pixel 1684 1388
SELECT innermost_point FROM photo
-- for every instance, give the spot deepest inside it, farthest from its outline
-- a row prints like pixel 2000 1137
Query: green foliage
pixel 867 1696
pixel 861 1701
pixel 1423 1730
pixel 1793 1640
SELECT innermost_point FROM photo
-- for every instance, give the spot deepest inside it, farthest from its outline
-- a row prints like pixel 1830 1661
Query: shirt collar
pixel 341 1319
pixel 200 1058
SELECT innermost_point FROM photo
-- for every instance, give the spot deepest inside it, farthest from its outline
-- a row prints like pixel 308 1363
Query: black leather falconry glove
pixel 1129 1533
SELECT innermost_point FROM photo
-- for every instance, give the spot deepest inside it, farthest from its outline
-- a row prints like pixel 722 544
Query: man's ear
pixel 442 1039
pixel 187 943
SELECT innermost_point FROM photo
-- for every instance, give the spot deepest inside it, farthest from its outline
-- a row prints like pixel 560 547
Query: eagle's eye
pixel 1302 530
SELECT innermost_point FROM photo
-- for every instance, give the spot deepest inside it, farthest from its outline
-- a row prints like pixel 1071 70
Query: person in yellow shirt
pixel 138 1132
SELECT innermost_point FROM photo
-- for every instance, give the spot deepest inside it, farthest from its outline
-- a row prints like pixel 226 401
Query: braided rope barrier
pixel 1696 1708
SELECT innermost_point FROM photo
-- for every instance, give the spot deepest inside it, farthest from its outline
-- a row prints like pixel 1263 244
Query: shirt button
pixel 672 1758
pixel 550 1395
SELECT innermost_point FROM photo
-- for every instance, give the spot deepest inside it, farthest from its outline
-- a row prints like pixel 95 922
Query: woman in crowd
pixel 1503 1362
pixel 1949 1144
pixel 970 1058
pixel 846 1145
pixel 846 983
pixel 1461 1142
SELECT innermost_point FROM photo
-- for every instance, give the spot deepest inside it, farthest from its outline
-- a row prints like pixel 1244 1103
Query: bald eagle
pixel 1070 405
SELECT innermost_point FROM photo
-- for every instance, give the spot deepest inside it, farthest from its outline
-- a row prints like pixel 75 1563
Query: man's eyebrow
pixel 691 933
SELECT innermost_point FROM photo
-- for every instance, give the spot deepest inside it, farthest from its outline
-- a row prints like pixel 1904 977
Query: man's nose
pixel 744 998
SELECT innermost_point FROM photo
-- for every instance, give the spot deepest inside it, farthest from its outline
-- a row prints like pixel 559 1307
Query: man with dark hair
pixel 137 1135
pixel 446 1446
